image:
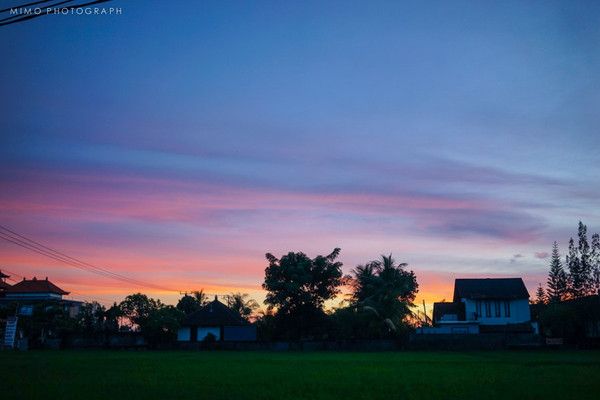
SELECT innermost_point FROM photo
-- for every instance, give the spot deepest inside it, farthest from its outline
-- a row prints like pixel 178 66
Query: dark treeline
pixel 569 306
pixel 157 322
pixel 378 307
pixel 579 276
pixel 382 293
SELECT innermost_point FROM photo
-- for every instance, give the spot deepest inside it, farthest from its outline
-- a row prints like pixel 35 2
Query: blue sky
pixel 179 142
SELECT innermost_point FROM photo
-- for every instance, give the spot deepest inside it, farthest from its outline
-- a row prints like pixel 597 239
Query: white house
pixel 484 306
pixel 493 302
pixel 215 318
pixel 27 293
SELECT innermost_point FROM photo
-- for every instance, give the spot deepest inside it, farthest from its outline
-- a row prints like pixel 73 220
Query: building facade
pixel 216 319
pixel 29 292
pixel 488 305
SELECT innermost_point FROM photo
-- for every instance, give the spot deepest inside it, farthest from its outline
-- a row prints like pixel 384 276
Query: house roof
pixel 35 286
pixel 498 288
pixel 214 313
pixel 2 275
pixel 4 285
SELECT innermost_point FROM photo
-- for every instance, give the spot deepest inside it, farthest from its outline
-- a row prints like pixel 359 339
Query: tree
pixel 188 304
pixel 241 305
pixel 595 262
pixel 298 285
pixel 579 261
pixel 558 320
pixel 353 325
pixel 557 277
pixel 200 297
pixel 386 290
pixel 138 308
pixel 91 317
pixel 584 259
pixel 266 328
pixel 49 319
pixel 162 325
pixel 156 321
pixel 576 275
pixel 540 295
pixel 112 318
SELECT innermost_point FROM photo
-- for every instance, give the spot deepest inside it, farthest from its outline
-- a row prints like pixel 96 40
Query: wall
pixel 377 345
pixel 120 340
pixel 184 334
pixel 450 329
pixel 239 333
pixel 34 296
pixel 474 342
pixel 519 312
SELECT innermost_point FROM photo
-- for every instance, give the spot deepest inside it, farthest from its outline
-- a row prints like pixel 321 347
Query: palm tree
pixel 201 297
pixel 188 304
pixel 384 289
pixel 363 282
pixel 241 305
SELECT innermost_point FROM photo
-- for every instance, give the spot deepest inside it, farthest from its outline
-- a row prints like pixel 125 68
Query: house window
pixel 506 308
pixel 26 310
pixel 478 307
pixel 498 308
pixel 488 308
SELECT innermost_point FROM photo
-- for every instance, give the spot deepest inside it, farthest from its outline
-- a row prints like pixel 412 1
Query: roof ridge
pixel 216 312
pixel 35 286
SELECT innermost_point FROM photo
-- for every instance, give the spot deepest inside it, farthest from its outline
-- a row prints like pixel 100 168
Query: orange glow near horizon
pixel 219 264
pixel 290 132
pixel 434 286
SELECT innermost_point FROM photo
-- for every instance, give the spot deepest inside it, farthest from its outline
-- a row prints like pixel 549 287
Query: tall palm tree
pixel 201 297
pixel 363 282
pixel 384 289
pixel 188 304
pixel 241 305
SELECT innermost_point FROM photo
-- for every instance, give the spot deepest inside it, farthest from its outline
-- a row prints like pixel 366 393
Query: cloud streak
pixel 453 137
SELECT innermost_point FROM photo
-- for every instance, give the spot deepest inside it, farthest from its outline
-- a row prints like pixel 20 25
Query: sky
pixel 175 143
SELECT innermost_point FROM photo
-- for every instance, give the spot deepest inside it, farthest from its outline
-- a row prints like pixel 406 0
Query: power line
pixel 75 263
pixel 29 13
pixel 26 5
pixel 84 296
pixel 31 245
pixel 98 299
pixel 12 274
pixel 50 9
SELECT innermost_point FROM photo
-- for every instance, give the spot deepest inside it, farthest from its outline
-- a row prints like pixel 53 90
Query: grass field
pixel 296 375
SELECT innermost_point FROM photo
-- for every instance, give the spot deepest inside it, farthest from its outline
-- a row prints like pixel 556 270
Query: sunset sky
pixel 176 143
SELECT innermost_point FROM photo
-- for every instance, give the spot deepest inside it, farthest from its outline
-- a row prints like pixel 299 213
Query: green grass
pixel 296 375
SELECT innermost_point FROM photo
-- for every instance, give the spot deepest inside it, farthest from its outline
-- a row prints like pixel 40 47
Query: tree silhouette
pixel 241 304
pixel 385 290
pixel 540 295
pixel 188 304
pixel 138 308
pixel 557 277
pixel 578 262
pixel 91 317
pixel 595 262
pixel 297 286
pixel 156 321
pixel 162 325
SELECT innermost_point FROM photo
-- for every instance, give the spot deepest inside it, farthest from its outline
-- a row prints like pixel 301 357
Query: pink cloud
pixel 156 200
pixel 189 235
